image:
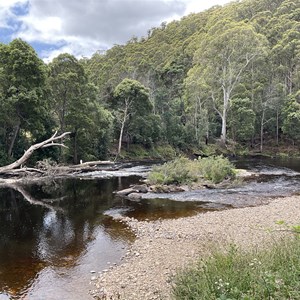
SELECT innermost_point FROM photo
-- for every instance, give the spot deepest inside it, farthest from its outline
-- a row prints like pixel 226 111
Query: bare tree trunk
pixel 14 137
pixel 262 130
pixel 224 131
pixel 75 158
pixel 277 127
pixel 47 143
pixel 123 125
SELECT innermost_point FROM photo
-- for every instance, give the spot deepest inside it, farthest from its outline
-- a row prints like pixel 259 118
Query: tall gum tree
pixel 132 99
pixel 70 94
pixel 222 58
pixel 23 104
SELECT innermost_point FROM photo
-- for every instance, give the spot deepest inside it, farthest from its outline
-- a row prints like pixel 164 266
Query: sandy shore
pixel 164 247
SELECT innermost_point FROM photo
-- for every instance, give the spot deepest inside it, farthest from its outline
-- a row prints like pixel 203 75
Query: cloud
pixel 87 26
pixel 9 12
pixel 83 27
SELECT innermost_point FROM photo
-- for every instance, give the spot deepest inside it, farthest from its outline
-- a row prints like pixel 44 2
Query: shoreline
pixel 165 247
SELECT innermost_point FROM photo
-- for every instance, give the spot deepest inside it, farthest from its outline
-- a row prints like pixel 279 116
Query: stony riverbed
pixel 164 247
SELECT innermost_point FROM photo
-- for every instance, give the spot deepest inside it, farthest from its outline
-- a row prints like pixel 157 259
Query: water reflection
pixel 38 242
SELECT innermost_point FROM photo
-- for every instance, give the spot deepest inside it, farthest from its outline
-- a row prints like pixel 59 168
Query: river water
pixel 55 236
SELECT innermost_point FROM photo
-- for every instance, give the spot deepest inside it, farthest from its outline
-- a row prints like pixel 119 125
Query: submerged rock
pixel 135 196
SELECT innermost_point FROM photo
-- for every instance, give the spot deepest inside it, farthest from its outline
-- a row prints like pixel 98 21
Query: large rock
pixel 125 192
pixel 140 188
pixel 135 196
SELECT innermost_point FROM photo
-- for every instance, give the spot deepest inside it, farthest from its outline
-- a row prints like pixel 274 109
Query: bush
pixel 268 274
pixel 184 171
pixel 216 168
pixel 176 171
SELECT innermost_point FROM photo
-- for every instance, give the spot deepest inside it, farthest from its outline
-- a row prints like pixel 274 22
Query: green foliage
pixel 165 151
pixel 133 107
pixel 74 102
pixel 216 168
pixel 242 119
pixel 176 171
pixel 23 99
pixel 235 275
pixel 291 124
pixel 184 171
pixel 187 83
pixel 135 94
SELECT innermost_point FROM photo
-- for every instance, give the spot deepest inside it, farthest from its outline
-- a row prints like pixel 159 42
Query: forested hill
pixel 230 74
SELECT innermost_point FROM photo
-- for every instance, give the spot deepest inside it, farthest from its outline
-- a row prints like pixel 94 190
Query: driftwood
pixel 47 143
pixel 13 170
pixel 93 164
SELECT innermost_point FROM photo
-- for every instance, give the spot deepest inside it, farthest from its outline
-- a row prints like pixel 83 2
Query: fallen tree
pixel 13 170
pixel 47 143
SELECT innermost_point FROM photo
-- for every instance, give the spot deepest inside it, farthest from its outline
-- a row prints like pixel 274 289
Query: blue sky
pixel 82 27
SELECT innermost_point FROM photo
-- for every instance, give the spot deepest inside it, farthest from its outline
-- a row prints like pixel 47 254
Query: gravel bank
pixel 164 247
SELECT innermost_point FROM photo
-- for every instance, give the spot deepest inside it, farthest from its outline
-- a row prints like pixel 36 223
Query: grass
pixel 236 275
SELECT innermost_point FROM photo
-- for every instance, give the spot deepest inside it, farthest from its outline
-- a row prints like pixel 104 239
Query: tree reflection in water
pixel 52 225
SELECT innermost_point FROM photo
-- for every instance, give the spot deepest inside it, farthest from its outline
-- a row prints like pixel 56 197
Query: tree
pixel 71 95
pixel 291 124
pixel 23 102
pixel 222 59
pixel 242 119
pixel 132 99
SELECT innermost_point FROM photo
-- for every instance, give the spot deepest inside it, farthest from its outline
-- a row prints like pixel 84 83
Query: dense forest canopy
pixel 228 74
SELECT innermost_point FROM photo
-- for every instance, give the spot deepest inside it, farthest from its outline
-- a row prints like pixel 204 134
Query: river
pixel 51 248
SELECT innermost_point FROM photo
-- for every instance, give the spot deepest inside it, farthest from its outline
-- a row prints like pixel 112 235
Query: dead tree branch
pixel 47 143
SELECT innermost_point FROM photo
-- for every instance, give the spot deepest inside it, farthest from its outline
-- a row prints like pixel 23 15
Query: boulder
pixel 125 192
pixel 134 196
pixel 140 188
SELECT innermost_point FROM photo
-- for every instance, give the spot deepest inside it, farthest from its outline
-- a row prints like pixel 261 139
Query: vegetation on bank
pixel 228 74
pixel 265 274
pixel 182 170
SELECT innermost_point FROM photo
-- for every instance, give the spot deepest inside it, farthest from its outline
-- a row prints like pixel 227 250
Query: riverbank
pixel 164 247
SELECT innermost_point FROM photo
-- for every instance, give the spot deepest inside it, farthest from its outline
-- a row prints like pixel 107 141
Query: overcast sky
pixel 81 27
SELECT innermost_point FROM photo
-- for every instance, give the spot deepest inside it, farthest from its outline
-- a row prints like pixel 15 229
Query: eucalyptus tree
pixel 131 100
pixel 72 101
pixel 291 124
pixel 222 58
pixel 242 119
pixel 197 107
pixel 23 101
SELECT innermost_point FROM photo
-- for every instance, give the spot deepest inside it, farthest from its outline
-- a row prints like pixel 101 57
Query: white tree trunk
pixel 226 98
pixel 123 125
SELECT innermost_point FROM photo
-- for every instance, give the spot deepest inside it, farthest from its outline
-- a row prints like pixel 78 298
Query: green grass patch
pixel 184 171
pixel 238 275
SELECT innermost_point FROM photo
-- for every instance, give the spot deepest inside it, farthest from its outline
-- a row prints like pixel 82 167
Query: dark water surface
pixel 52 235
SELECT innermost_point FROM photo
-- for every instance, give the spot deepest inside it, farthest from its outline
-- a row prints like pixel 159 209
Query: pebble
pixel 168 245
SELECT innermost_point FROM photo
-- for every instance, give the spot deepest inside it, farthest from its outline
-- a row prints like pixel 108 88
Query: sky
pixel 82 27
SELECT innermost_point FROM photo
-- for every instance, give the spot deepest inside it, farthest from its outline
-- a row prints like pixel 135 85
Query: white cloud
pixel 6 11
pixel 83 27
pixel 87 26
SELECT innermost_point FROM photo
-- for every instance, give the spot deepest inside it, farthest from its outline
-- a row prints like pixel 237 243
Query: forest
pixel 229 75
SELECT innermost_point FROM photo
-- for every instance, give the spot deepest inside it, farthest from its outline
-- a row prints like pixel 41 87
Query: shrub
pixel 176 171
pixel 185 171
pixel 216 168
